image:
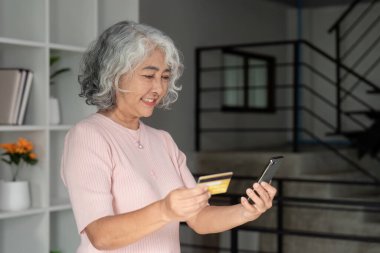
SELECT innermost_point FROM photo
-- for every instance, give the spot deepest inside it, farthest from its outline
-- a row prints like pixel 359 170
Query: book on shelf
pixel 25 97
pixel 15 87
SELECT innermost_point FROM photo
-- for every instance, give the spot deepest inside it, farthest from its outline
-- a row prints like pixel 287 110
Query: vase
pixel 14 195
pixel 54 114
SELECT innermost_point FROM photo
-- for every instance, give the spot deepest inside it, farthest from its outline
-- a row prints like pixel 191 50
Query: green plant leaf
pixel 54 59
pixel 58 72
pixel 7 161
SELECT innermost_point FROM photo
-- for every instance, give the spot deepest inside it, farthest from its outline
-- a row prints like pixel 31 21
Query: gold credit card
pixel 217 183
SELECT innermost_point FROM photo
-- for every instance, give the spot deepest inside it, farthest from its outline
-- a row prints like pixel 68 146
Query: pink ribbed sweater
pixel 106 174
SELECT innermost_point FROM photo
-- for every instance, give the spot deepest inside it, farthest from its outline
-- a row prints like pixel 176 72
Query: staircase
pixel 318 207
pixel 310 117
pixel 357 37
pixel 329 199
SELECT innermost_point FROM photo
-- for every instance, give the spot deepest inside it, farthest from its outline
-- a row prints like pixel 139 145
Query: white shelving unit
pixel 31 31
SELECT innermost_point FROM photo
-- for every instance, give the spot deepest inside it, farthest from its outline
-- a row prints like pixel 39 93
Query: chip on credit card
pixel 217 183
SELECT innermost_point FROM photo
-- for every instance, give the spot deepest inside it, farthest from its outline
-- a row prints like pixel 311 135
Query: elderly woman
pixel 128 183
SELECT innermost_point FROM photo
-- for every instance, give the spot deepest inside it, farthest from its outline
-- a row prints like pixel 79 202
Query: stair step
pixel 375 91
pixel 345 222
pixel 369 113
pixel 348 134
pixel 305 220
pixel 349 174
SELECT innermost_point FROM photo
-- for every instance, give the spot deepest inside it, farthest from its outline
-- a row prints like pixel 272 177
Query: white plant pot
pixel 54 115
pixel 14 196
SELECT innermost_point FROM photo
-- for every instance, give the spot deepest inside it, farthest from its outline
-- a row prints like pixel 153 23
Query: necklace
pixel 139 145
pixel 136 137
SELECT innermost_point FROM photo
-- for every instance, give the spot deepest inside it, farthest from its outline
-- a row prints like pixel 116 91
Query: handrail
pixel 343 16
pixel 358 20
pixel 284 200
pixel 293 42
pixel 316 181
pixel 337 27
pixel 347 92
pixel 361 38
pixel 296 44
pixel 366 73
pixel 341 65
pixel 310 134
pixel 352 163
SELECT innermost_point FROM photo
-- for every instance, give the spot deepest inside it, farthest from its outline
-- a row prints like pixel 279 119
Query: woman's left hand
pixel 262 195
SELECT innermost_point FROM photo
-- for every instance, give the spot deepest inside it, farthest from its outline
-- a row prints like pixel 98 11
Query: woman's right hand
pixel 183 203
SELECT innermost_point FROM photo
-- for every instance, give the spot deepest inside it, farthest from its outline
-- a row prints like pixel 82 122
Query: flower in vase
pixel 17 154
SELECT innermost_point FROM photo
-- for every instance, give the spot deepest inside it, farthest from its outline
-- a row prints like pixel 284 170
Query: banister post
pixel 296 85
pixel 280 217
pixel 197 99
pixel 338 80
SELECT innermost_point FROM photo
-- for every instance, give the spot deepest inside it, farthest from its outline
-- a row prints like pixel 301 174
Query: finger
pixel 255 198
pixel 244 202
pixel 198 200
pixel 189 193
pixel 204 197
pixel 250 201
pixel 270 189
pixel 261 206
pixel 262 193
pixel 194 207
pixel 265 196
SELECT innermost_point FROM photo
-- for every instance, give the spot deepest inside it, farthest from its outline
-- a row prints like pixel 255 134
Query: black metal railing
pixel 283 201
pixel 297 107
pixel 343 28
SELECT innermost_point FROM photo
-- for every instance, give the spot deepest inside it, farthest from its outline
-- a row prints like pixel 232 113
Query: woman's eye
pixel 166 77
pixel 149 76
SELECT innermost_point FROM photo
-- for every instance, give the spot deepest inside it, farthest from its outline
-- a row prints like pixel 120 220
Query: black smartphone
pixel 269 172
pixel 271 169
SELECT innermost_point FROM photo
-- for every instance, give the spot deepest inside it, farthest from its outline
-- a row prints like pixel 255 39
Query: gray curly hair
pixel 119 50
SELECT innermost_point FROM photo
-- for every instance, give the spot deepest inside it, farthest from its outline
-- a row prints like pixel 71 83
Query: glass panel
pixel 258 79
pixel 233 78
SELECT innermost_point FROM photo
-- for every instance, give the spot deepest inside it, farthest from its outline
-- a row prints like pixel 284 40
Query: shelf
pixel 15 214
pixel 59 127
pixel 34 59
pixel 23 128
pixel 67 48
pixel 60 205
pixel 31 31
pixel 18 42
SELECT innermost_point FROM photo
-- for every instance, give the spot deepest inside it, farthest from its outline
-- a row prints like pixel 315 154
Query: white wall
pixel 200 23
pixel 113 11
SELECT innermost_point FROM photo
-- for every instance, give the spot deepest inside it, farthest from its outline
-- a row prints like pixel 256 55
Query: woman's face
pixel 146 86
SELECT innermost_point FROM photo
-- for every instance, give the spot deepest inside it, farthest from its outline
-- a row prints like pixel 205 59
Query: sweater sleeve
pixel 86 169
pixel 179 160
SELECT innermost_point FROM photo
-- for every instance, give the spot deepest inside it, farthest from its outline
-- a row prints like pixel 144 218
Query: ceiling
pixel 316 3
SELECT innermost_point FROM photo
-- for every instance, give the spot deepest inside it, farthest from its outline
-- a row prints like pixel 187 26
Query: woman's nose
pixel 158 85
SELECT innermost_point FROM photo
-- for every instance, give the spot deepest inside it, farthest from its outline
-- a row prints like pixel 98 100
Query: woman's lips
pixel 149 101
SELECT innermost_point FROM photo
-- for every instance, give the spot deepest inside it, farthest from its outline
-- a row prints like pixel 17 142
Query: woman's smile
pixel 149 102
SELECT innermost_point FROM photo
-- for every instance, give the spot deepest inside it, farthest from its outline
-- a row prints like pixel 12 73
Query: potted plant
pixel 54 116
pixel 14 195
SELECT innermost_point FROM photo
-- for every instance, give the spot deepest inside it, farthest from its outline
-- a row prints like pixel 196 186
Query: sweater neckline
pixel 123 128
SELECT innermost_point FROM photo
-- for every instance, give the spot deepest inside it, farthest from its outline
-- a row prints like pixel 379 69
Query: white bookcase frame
pixel 30 31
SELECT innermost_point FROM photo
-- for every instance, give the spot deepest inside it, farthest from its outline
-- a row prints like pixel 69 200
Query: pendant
pixel 140 146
